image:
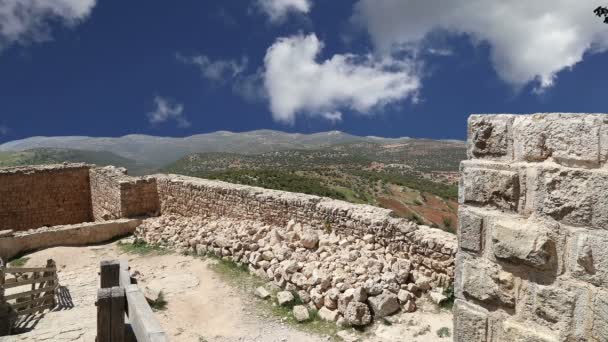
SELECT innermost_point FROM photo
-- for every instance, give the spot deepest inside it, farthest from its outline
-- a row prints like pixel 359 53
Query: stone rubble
pixel 320 266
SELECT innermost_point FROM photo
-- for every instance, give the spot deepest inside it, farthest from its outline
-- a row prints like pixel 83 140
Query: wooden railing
pixel 41 294
pixel 117 297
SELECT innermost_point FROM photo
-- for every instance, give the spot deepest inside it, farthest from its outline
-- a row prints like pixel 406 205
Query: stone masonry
pixel 350 262
pixel 532 263
pixel 32 197
pixel 115 194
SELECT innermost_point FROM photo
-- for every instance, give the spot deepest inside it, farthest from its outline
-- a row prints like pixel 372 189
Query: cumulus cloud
pixel 529 40
pixel 297 83
pixel 166 110
pixel 218 70
pixel 25 21
pixel 278 10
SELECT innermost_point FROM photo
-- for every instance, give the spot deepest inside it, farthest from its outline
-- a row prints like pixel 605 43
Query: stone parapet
pixel 532 263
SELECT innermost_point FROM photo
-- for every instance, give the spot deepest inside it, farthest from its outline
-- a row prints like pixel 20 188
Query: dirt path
pixel 202 307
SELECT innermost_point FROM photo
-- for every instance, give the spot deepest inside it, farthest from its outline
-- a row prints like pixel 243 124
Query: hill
pixel 417 179
pixel 160 151
pixel 57 155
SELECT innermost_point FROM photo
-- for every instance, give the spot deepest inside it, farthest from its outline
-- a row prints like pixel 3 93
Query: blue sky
pixel 368 67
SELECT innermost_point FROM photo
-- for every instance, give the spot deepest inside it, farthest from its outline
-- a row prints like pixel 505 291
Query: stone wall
pixel 431 250
pixel 532 263
pixel 115 194
pixel 32 197
pixel 82 234
pixel 351 262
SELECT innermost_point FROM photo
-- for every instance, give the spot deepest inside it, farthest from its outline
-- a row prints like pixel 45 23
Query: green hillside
pixel 41 156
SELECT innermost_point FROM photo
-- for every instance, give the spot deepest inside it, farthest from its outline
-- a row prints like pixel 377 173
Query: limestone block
pixel 358 314
pixel 470 322
pixel 554 304
pixel 572 196
pixel 520 241
pixel 569 139
pixel 384 304
pixel 300 313
pixel 498 188
pixel 470 230
pixel 487 283
pixel 588 259
pixel 525 332
pixel 285 298
pixel 489 136
pixel 599 330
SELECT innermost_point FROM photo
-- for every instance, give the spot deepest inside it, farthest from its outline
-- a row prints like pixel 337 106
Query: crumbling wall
pixel 431 250
pixel 37 196
pixel 532 263
pixel 351 262
pixel 116 195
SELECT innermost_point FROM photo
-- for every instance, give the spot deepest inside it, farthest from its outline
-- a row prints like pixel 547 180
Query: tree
pixel 601 11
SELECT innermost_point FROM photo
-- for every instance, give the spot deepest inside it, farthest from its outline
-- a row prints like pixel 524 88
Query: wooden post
pixel 5 324
pixel 33 296
pixel 104 315
pixel 110 273
pixel 2 279
pixel 118 314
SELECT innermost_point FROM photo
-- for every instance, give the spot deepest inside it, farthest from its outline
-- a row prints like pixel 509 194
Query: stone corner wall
pixel 116 195
pixel 532 263
pixel 36 196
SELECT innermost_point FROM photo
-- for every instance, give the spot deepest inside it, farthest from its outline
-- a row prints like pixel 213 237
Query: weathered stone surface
pixel 589 256
pixel 285 298
pixel 554 304
pixel 469 230
pixel 571 196
pixel 328 315
pixel 310 239
pixel 489 136
pixel 358 314
pixel 498 188
pixel 470 322
pixel 518 332
pixel 521 241
pixel 384 304
pixel 300 313
pixel 261 292
pixel 534 267
pixel 599 330
pixel 569 139
pixel 36 196
pixel 487 283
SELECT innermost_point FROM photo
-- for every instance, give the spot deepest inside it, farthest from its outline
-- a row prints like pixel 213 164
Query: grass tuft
pixel 443 332
pixel 19 262
pixel 142 248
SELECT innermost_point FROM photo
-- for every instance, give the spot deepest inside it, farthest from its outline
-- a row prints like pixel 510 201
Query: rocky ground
pixel 202 304
pixel 349 280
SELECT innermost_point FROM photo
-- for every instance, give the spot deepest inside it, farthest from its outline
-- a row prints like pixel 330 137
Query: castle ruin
pixel 530 262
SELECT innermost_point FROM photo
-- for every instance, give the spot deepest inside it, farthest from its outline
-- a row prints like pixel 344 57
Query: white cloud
pixel 297 83
pixel 165 111
pixel 219 70
pixel 3 130
pixel 277 10
pixel 529 40
pixel 25 21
